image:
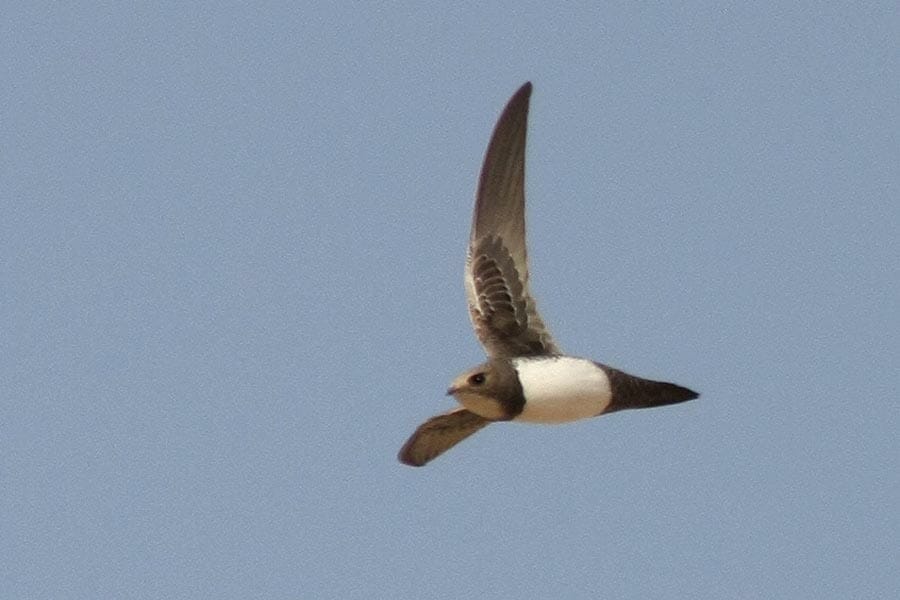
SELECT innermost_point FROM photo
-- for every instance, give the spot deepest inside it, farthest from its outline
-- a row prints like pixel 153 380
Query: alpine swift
pixel 526 377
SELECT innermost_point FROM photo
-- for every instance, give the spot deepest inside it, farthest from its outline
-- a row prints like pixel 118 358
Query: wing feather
pixel 438 434
pixel 503 312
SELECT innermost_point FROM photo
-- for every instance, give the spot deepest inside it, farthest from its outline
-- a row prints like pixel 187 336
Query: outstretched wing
pixel 503 312
pixel 438 434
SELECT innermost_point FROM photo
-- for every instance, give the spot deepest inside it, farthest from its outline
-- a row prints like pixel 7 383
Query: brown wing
pixel 438 434
pixel 503 312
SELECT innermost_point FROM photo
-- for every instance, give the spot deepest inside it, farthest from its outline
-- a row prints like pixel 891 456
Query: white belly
pixel 561 389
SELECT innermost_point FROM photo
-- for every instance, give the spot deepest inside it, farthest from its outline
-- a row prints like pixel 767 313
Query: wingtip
pixel 406 455
pixel 516 105
pixel 409 462
pixel 523 92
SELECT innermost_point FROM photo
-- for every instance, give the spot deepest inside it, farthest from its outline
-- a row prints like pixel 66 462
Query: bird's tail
pixel 629 391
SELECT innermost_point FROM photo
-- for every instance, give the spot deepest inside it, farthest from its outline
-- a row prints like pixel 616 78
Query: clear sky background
pixel 231 255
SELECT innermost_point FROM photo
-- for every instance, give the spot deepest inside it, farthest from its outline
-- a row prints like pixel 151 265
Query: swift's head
pixel 491 390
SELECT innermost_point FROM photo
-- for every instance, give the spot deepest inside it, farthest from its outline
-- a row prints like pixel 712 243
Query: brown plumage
pixel 436 435
pixel 506 321
pixel 502 309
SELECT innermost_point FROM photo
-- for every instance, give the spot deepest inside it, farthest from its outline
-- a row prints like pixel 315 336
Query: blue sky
pixel 232 248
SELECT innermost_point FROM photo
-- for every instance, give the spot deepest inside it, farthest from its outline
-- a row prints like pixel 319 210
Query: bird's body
pixel 526 378
pixel 559 389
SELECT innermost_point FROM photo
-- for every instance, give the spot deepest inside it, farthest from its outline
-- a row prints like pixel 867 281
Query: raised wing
pixel 503 312
pixel 438 434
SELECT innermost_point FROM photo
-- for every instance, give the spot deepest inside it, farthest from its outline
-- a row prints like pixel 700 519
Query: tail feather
pixel 629 391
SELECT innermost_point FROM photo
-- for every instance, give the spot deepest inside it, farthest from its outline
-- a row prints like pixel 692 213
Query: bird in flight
pixel 527 377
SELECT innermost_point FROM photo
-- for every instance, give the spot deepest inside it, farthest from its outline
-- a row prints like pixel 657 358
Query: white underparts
pixel 561 389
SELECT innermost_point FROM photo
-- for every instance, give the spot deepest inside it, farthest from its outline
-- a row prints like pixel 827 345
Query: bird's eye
pixel 477 379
